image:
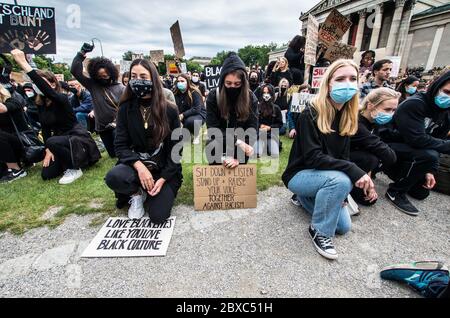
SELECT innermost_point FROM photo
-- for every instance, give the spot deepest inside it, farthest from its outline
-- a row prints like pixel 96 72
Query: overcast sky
pixel 208 26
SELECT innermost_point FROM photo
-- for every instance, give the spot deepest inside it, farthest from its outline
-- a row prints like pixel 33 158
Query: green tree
pixel 127 56
pixel 219 58
pixel 252 55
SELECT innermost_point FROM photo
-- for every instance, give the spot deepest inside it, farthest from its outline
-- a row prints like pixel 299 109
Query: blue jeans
pixel 322 193
pixel 82 118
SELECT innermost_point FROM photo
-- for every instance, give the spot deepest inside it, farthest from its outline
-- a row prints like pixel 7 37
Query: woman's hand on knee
pixel 372 196
pixel 145 176
pixel 157 188
pixel 366 184
pixel 430 181
pixel 49 158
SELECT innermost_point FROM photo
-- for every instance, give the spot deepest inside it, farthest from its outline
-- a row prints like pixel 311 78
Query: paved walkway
pixel 264 252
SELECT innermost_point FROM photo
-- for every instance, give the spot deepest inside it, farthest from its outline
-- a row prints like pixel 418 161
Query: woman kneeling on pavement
pixel 147 177
pixel 319 171
pixel 69 147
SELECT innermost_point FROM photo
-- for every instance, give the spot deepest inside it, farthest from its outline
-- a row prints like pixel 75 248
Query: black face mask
pixel 73 91
pixel 104 82
pixel 253 80
pixel 141 88
pixel 233 93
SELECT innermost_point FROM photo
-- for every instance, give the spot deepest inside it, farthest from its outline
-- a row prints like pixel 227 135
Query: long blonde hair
pixel 378 96
pixel 325 110
pixel 4 94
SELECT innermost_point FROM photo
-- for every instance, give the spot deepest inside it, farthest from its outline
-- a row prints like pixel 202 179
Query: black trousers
pixel 60 147
pixel 368 163
pixel 409 172
pixel 189 123
pixel 108 137
pixel 124 181
pixel 11 149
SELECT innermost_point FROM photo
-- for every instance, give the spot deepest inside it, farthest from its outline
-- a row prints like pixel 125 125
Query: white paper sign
pixel 396 62
pixel 299 101
pixel 122 237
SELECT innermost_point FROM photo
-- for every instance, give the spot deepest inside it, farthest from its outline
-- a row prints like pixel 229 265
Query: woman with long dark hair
pixel 270 118
pixel 231 106
pixel 408 88
pixel 190 106
pixel 147 177
pixel 69 147
pixel 295 55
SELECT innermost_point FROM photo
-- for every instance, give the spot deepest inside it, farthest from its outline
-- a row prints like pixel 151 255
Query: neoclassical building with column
pixel 416 30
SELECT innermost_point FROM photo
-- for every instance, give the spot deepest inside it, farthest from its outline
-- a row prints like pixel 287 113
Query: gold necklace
pixel 145 117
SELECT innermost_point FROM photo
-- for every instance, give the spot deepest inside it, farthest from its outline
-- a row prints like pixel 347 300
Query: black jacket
pixel 277 76
pixel 295 59
pixel 275 120
pixel 105 98
pixel 131 139
pixel 57 118
pixel 421 123
pixel 366 139
pixel 314 150
pixel 15 111
pixel 188 108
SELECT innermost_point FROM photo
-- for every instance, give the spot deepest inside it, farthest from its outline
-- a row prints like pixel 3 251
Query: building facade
pixel 416 30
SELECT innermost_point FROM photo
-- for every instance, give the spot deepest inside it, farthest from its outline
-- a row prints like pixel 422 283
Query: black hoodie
pixel 213 117
pixel 421 123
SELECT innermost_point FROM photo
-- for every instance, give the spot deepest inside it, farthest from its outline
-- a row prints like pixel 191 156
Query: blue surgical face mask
pixel 411 90
pixel 383 118
pixel 341 93
pixel 442 100
pixel 182 86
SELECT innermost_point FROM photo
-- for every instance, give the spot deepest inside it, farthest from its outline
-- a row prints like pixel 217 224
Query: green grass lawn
pixel 25 201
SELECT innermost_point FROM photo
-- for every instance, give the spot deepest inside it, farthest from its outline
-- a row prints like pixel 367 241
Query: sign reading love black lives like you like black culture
pixel 121 237
pixel 30 29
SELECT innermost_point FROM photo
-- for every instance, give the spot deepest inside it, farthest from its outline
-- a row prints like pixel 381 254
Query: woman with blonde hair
pixel 319 170
pixel 367 150
pixel 280 71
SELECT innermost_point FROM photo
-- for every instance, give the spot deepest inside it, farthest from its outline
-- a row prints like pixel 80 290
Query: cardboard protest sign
pixel 172 68
pixel 30 29
pixel 123 237
pixel 219 188
pixel 339 51
pixel 312 41
pixel 157 56
pixel 396 60
pixel 125 66
pixel 212 75
pixel 318 73
pixel 299 102
pixel 334 28
pixel 177 40
pixel 183 68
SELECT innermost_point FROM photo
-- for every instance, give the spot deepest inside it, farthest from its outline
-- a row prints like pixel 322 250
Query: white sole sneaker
pixel 72 179
pixel 332 257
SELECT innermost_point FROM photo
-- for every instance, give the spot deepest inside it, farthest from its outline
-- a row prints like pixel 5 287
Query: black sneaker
pixel 13 175
pixel 323 244
pixel 295 201
pixel 122 202
pixel 401 202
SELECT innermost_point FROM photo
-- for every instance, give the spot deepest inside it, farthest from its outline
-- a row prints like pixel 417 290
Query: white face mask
pixel 29 94
pixel 195 79
pixel 267 97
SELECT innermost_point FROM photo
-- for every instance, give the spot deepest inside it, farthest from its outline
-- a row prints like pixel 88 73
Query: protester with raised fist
pixel 69 147
pixel 105 90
